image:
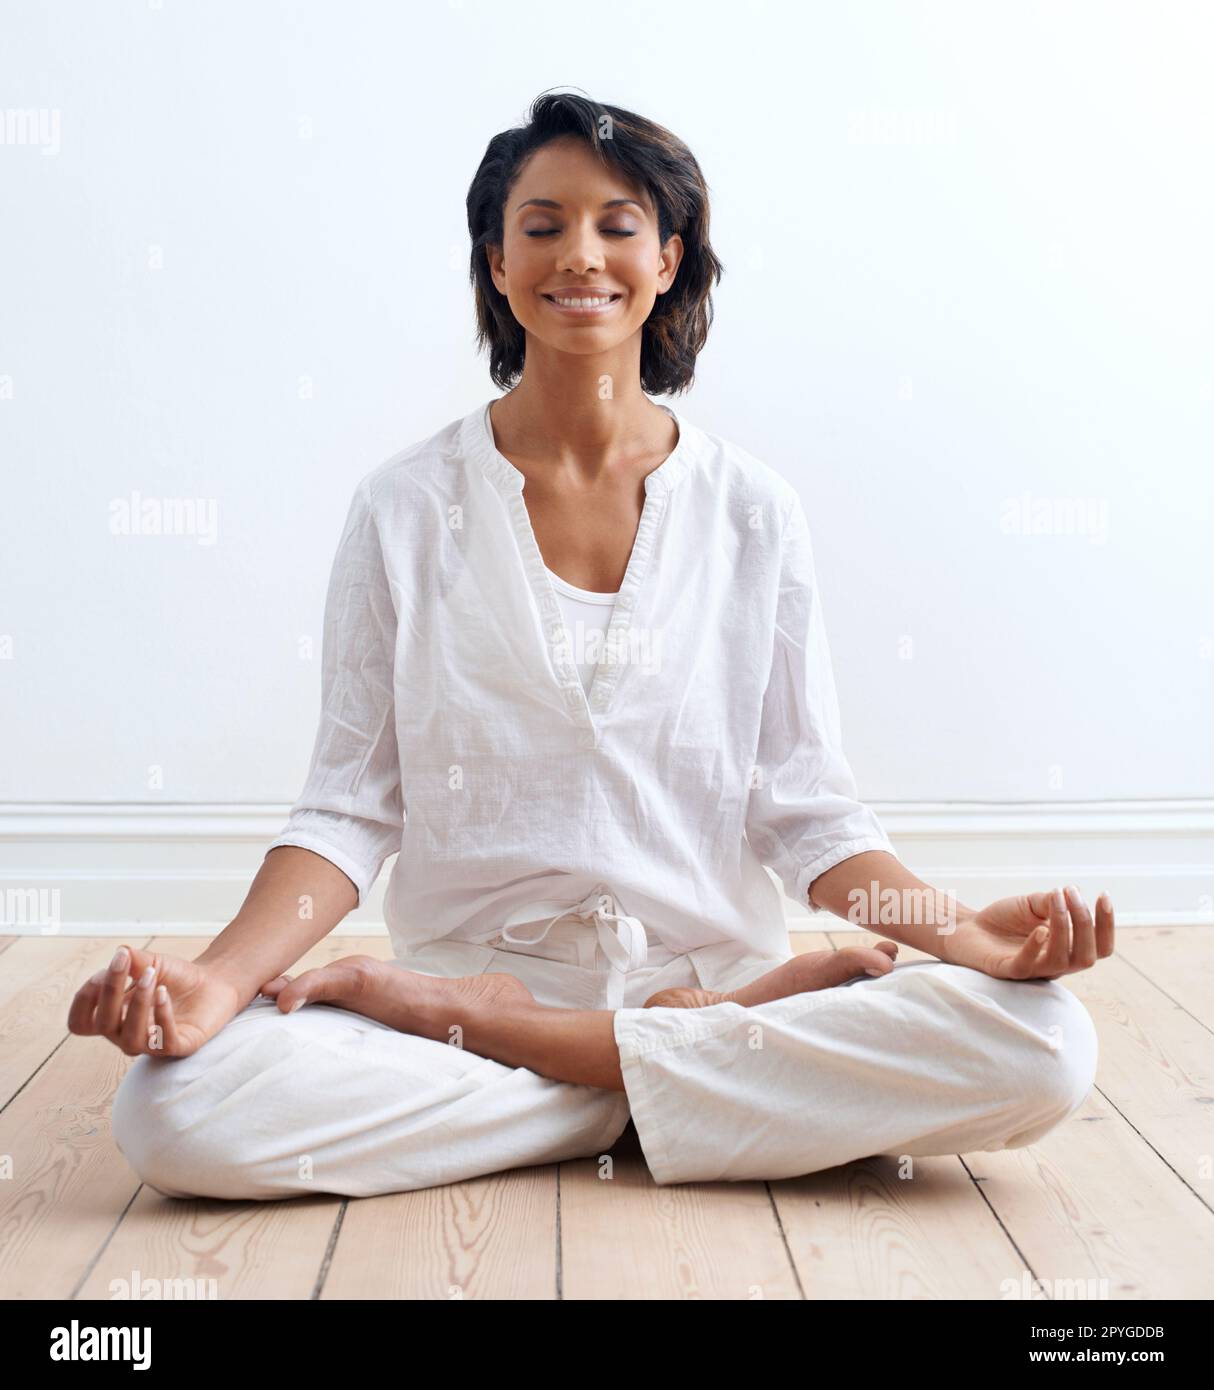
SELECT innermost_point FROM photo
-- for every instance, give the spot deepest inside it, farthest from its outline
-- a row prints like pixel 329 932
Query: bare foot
pixel 803 974
pixel 426 1005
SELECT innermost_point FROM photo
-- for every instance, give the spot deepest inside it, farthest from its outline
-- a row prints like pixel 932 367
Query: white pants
pixel 928 1059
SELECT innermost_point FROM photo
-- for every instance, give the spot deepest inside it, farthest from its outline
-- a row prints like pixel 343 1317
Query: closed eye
pixel 607 231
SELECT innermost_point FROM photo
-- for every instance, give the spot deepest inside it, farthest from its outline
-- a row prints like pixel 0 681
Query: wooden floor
pixel 1123 1192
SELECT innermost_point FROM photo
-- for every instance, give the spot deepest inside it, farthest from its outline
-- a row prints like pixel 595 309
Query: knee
pixel 1034 1045
pixel 1059 1075
pixel 139 1122
pixel 157 1139
pixel 1075 1045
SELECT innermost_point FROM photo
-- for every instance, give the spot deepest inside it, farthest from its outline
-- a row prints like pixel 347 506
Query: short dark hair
pixel 647 155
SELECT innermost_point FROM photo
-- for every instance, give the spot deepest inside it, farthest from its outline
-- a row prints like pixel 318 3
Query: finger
pixel 1104 926
pixel 134 1031
pixel 312 987
pixel 273 988
pixel 113 993
pixel 1039 903
pixel 1024 965
pixel 851 961
pixel 81 1017
pixel 340 982
pixel 889 947
pixel 170 1038
pixel 1058 952
pixel 1083 943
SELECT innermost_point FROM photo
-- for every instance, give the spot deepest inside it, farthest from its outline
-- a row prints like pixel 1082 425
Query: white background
pixel 967 252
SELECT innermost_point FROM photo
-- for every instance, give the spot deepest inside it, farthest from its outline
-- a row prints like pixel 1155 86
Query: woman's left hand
pixel 1036 936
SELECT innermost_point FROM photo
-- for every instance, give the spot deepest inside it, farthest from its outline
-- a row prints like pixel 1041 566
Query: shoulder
pixel 732 471
pixel 415 468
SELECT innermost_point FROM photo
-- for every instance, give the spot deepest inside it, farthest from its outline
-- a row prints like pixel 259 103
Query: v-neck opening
pixel 585 707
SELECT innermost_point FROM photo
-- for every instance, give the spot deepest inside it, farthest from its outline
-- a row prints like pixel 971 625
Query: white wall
pixel 967 260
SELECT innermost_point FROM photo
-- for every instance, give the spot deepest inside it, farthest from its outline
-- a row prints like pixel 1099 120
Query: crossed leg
pixel 366 1095
pixel 924 1058
pixel 329 1100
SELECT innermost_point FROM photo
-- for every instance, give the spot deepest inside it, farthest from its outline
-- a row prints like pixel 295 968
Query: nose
pixel 581 248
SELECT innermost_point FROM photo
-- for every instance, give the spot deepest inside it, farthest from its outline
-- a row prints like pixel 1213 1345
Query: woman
pixel 576 676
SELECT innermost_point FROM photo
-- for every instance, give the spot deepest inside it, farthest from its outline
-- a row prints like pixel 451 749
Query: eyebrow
pixel 552 203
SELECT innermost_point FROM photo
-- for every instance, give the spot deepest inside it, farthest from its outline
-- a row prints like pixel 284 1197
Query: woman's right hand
pixel 147 1002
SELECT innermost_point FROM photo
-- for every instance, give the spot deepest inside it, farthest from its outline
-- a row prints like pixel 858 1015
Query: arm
pixel 295 901
pixel 804 816
pixel 351 810
pixel 167 1005
pixel 350 814
pixel 876 890
pixel 347 821
pixel 1028 937
pixel 806 822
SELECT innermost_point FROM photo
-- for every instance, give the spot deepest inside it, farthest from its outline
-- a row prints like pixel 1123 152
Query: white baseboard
pixel 173 869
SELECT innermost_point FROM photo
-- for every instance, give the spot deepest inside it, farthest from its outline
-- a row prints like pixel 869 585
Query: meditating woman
pixel 576 677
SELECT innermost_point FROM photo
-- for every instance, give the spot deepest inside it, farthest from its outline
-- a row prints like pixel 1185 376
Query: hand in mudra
pixel 125 1004
pixel 1035 936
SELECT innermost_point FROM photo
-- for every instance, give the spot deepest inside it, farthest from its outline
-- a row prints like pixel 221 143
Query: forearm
pixel 877 891
pixel 296 900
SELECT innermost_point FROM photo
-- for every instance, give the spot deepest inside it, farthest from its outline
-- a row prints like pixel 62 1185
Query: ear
pixel 670 260
pixel 496 262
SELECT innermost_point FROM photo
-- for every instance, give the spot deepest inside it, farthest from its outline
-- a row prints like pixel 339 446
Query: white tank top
pixel 586 616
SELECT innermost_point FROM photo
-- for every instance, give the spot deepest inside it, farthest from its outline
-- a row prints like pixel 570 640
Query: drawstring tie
pixel 621 937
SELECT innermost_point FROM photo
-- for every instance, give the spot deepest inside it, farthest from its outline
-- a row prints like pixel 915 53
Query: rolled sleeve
pixel 804 816
pixel 351 810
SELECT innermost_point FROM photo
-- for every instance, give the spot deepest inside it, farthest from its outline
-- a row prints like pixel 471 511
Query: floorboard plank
pixel 889 1228
pixel 69 1185
pixel 624 1237
pixel 1177 960
pixel 1156 1067
pixel 225 1250
pixel 1092 1202
pixel 492 1237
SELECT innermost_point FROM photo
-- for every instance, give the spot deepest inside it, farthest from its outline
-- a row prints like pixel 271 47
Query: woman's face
pixel 572 228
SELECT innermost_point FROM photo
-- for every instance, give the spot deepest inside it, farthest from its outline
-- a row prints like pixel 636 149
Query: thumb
pixel 850 961
pixel 312 987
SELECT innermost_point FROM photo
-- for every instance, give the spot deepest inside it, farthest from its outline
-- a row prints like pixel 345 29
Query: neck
pixel 562 419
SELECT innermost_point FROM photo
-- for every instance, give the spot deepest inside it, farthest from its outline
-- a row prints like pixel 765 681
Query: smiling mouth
pixel 583 303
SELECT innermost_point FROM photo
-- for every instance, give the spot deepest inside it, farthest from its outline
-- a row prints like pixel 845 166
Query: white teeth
pixel 580 303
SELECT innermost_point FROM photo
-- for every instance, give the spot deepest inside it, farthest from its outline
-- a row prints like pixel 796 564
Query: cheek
pixel 641 300
pixel 524 260
pixel 638 265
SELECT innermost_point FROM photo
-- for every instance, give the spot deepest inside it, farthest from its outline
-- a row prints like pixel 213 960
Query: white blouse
pixel 455 730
